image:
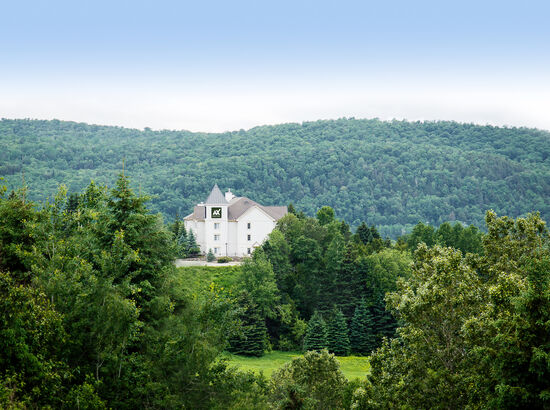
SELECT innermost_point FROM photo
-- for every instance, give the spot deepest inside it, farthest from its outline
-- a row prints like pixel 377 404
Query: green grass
pixel 199 278
pixel 352 366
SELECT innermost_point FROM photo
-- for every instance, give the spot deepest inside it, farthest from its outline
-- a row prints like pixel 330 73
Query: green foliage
pixel 313 381
pixel 337 334
pixel 191 249
pixel 426 366
pixel 393 173
pixel 258 280
pixel 224 259
pixel 362 336
pixel 31 334
pixel 468 240
pixel 107 321
pixel 316 334
pixel 252 335
pixel 16 235
pixel 474 329
pixel 325 215
pixel 210 256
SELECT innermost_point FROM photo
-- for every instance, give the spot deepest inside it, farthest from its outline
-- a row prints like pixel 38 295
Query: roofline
pixel 256 206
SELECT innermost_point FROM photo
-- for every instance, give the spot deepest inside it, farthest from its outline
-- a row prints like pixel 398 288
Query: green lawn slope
pixel 352 366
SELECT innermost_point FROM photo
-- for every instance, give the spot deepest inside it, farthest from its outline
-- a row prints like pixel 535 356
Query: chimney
pixel 229 195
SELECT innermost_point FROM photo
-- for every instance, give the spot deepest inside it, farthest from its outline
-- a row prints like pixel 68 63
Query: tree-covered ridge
pixel 391 174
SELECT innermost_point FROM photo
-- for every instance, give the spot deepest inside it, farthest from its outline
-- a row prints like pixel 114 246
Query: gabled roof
pixel 199 213
pixel 216 197
pixel 238 206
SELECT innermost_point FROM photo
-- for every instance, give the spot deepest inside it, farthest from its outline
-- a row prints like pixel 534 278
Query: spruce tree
pixel 349 283
pixel 338 340
pixel 384 322
pixel 192 247
pixel 362 337
pixel 210 256
pixel 252 336
pixel 182 242
pixel 316 333
pixel 175 228
pixel 363 233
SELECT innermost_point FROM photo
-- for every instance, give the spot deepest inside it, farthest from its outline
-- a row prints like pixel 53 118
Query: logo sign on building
pixel 216 212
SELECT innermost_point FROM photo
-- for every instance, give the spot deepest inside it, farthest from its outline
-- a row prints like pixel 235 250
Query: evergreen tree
pixel 363 233
pixel 338 339
pixel 316 334
pixel 183 242
pixel 251 339
pixel 362 335
pixel 210 256
pixel 176 227
pixel 345 230
pixel 384 322
pixel 192 247
pixel 349 283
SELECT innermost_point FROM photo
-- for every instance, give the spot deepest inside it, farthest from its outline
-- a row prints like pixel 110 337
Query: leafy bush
pixel 224 259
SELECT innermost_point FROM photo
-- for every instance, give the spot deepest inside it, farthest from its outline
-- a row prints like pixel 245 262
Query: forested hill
pixel 390 174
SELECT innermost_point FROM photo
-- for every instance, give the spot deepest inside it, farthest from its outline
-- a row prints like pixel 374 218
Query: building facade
pixel 230 225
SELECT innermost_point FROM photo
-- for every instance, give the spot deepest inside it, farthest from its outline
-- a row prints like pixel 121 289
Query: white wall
pixel 210 231
pixel 234 234
pixel 261 226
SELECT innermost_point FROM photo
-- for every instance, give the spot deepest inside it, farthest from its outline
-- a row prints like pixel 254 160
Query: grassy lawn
pixel 352 366
pixel 199 278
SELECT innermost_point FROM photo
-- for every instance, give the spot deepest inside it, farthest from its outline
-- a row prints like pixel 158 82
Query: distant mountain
pixel 390 174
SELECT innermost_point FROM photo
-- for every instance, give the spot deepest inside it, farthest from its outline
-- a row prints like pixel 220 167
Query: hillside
pixel 390 174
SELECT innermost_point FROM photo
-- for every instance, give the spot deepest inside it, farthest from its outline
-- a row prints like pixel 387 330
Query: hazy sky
pixel 226 65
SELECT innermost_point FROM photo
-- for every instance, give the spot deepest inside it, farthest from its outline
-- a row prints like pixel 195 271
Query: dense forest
pixel 94 314
pixel 389 174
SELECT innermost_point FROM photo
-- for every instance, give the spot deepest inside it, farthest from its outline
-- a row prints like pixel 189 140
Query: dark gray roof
pixel 216 197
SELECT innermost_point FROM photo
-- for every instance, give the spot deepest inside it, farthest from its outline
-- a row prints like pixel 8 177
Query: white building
pixel 230 225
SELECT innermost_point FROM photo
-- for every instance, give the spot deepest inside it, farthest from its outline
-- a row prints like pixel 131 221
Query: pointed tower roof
pixel 216 197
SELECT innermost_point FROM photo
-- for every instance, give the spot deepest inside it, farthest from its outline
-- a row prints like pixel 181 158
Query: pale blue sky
pixel 216 66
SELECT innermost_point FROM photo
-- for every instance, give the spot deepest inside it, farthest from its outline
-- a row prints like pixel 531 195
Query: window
pixel 248 225
pixel 217 225
pixel 216 251
pixel 249 237
pixel 248 251
pixel 217 237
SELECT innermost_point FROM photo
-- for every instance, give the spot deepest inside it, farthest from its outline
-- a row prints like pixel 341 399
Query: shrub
pixel 210 256
pixel 313 381
pixel 224 259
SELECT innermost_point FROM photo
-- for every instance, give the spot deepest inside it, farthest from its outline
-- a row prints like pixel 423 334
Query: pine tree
pixel 251 340
pixel 363 233
pixel 183 242
pixel 362 335
pixel 316 334
pixel 338 340
pixel 384 323
pixel 210 256
pixel 349 283
pixel 175 228
pixel 192 247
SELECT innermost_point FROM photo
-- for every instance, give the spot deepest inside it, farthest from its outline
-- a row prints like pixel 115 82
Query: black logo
pixel 216 212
